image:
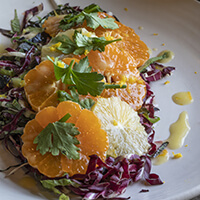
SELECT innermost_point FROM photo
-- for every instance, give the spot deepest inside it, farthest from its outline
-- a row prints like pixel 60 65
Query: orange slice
pixel 41 85
pixel 93 140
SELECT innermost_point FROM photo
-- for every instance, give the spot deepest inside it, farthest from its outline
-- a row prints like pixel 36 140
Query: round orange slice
pixel 41 85
pixel 93 140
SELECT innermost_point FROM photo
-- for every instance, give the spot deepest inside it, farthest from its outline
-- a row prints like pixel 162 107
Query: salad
pixel 69 84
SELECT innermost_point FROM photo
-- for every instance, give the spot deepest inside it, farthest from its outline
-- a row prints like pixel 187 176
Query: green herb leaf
pixel 93 21
pixel 86 103
pixel 90 14
pixel 81 43
pixel 58 137
pixel 81 78
pixel 92 8
pixel 53 183
pixel 88 83
pixel 15 24
pixel 152 120
pixel 82 66
pixel 85 82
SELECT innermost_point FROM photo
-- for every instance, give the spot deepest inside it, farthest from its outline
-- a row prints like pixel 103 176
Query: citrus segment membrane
pixel 122 124
pixel 93 140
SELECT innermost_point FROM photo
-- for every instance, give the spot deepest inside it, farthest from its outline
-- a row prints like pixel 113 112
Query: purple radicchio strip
pixel 31 13
pixel 13 124
pixel 27 61
pixel 110 178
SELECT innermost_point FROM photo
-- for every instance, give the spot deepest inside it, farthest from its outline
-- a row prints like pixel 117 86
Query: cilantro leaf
pixel 58 137
pixel 86 103
pixel 81 43
pixel 90 14
pixel 15 24
pixel 93 21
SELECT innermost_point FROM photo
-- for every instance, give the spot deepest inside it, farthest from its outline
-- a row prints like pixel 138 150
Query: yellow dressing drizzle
pixel 178 131
pixel 182 98
pixel 170 56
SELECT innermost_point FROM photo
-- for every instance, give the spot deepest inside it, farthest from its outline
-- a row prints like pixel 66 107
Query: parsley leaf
pixel 81 43
pixel 58 137
pixel 86 103
pixel 81 78
pixel 90 14
pixel 84 80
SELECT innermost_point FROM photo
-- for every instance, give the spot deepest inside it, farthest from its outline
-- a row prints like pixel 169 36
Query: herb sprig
pixel 81 78
pixel 81 43
pixel 59 138
pixel 90 14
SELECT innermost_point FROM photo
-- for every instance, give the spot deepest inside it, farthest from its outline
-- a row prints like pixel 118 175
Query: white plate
pixel 177 24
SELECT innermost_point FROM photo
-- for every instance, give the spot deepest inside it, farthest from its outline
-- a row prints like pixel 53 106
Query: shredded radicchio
pixel 110 178
pixel 30 14
pixel 156 72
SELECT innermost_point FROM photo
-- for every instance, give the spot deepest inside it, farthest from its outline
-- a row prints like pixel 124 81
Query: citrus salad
pixel 76 106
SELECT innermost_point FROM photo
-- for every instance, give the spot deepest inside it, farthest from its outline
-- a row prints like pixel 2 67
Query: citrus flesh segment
pixel 41 85
pixel 93 140
pixel 34 157
pixel 119 69
pixel 130 40
pixel 42 118
pixel 122 124
pixel 67 107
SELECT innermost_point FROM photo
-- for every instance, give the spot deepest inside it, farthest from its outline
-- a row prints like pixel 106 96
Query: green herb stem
pixel 152 60
pixel 114 86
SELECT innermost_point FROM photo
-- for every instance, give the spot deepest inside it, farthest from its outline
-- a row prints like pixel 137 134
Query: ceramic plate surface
pixel 177 25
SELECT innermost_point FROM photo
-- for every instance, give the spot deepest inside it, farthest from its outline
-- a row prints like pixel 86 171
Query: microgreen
pixel 90 14
pixel 81 43
pixel 86 103
pixel 58 137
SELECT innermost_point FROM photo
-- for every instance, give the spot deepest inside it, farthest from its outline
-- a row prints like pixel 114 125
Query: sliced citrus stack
pixel 118 63
pixel 122 124
pixel 93 140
